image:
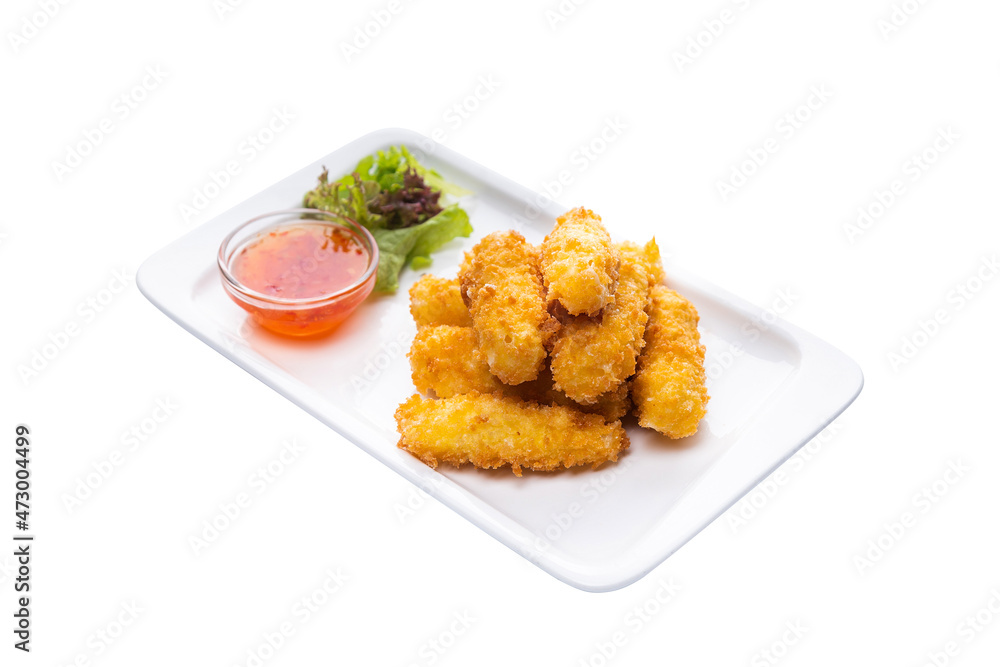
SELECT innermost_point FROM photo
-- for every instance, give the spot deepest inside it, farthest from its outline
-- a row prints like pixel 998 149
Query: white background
pixel 795 560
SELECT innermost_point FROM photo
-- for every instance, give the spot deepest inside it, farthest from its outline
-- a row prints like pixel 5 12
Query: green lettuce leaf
pixel 450 223
pixel 355 199
pixel 433 179
pixel 414 245
pixel 397 199
pixel 388 167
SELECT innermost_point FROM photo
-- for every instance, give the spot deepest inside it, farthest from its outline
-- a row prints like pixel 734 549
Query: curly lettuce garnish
pixel 399 201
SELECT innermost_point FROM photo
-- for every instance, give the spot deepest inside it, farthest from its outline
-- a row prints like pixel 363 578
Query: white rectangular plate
pixel 597 530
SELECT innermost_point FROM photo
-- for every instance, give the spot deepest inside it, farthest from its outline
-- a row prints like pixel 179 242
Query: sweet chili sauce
pixel 303 261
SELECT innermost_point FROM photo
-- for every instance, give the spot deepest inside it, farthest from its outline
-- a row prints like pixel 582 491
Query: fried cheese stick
pixel 579 263
pixel 654 263
pixel 612 405
pixel 494 430
pixel 502 286
pixel 444 360
pixel 669 387
pixel 593 356
pixel 436 300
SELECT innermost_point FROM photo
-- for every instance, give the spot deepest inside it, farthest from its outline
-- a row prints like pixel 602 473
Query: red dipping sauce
pixel 300 277
pixel 303 261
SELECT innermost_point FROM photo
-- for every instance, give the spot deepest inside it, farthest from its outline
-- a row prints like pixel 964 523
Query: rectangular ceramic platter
pixel 624 518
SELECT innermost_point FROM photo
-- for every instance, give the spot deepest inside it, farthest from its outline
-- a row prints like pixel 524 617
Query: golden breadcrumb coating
pixel 444 359
pixel 669 388
pixel 579 263
pixel 438 301
pixel 613 405
pixel 593 356
pixel 651 253
pixel 495 430
pixel 502 286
